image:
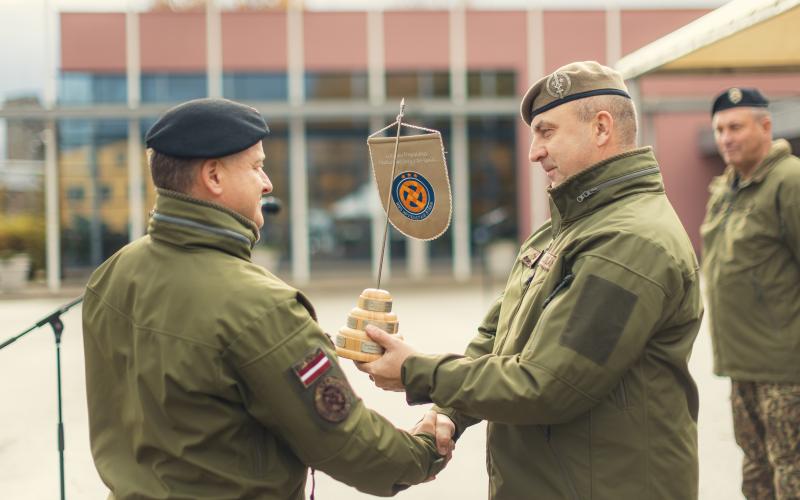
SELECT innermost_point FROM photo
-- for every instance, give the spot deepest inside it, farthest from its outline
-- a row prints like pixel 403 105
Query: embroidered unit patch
pixel 332 400
pixel 312 367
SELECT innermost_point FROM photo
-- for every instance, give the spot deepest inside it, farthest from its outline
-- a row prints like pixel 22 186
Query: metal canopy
pixel 742 35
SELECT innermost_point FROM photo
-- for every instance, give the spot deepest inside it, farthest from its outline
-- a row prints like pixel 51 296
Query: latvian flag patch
pixel 312 367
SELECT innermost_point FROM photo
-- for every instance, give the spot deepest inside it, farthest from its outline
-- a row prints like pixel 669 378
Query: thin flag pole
pixel 389 195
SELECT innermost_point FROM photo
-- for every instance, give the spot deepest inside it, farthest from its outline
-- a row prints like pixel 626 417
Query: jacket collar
pixel 634 171
pixel 780 149
pixel 184 221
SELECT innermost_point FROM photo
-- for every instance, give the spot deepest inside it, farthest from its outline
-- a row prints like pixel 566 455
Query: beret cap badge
pixel 735 95
pixel 558 85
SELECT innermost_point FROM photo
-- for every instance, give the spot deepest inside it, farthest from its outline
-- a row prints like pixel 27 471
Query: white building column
pixel 459 154
pixel 376 74
pixel 537 199
pixel 52 220
pixel 213 49
pixel 133 71
pixel 298 178
pixel 613 35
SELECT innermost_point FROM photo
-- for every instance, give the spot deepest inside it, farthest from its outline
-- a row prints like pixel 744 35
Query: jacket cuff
pixel 417 377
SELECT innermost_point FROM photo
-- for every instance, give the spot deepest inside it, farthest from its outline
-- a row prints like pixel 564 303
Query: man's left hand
pixel 385 371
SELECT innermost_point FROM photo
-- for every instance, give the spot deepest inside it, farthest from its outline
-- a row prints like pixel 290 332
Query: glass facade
pixel 418 84
pixel 93 187
pixel 255 86
pixel 92 88
pixel 491 84
pixel 351 85
pixel 275 235
pixel 339 190
pixel 492 175
pixel 173 87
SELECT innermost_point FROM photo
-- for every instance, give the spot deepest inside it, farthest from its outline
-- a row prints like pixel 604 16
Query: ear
pixel 603 125
pixel 209 177
pixel 766 124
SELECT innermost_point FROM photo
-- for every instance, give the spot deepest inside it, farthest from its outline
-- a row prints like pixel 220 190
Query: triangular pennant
pixel 417 197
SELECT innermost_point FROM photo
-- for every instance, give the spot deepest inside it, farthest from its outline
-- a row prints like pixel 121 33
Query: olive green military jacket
pixel 580 368
pixel 208 377
pixel 751 267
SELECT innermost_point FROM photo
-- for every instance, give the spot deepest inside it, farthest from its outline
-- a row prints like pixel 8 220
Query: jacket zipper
pixel 633 175
pixel 522 294
pixel 548 434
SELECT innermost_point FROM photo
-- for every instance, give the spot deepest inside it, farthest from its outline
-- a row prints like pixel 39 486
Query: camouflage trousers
pixel 766 422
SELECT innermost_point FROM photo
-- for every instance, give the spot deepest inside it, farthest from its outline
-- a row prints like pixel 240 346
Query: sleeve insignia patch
pixel 332 400
pixel 312 367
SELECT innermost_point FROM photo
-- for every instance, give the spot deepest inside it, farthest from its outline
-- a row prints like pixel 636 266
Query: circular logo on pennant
pixel 413 195
pixel 558 85
pixel 735 95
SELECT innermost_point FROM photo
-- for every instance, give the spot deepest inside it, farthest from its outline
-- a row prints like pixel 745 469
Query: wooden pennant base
pixel 374 307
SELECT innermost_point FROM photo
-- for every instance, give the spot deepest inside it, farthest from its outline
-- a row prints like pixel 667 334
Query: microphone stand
pixel 54 320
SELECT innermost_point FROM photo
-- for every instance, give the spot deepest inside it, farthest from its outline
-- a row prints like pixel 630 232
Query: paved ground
pixel 434 319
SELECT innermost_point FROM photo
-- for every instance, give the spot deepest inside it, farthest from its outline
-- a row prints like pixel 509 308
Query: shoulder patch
pixel 332 399
pixel 312 367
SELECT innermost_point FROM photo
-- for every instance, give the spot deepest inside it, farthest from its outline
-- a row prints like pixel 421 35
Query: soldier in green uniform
pixel 580 367
pixel 751 264
pixel 208 377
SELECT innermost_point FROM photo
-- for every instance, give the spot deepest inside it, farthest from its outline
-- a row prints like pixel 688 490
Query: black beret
pixel 206 128
pixel 739 97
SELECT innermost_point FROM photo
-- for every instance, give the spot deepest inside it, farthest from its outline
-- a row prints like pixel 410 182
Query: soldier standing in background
pixel 751 266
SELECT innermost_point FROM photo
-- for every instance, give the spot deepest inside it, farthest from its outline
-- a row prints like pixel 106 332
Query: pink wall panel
pixel 173 42
pixel 417 40
pixel 253 41
pixel 93 42
pixel 573 36
pixel 688 85
pixel 335 40
pixel 686 172
pixel 496 40
pixel 640 27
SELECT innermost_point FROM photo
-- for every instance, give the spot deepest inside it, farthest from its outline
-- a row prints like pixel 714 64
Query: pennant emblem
pixel 312 367
pixel 417 199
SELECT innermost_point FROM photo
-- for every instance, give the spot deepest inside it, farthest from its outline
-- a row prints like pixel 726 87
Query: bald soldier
pixel 580 367
pixel 751 264
pixel 208 377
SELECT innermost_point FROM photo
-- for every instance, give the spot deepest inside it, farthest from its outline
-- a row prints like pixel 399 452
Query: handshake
pixel 385 372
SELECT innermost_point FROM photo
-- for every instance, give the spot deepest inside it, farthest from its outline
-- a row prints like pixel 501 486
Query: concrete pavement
pixel 440 318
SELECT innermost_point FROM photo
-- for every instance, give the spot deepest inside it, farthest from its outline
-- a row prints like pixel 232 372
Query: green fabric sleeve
pixel 584 341
pixel 362 448
pixel 481 344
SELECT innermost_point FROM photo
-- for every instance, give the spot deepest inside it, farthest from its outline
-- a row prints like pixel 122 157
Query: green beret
pixel 739 97
pixel 206 128
pixel 569 83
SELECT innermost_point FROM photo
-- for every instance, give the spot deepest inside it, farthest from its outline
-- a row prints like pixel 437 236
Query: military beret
pixel 206 128
pixel 739 97
pixel 569 83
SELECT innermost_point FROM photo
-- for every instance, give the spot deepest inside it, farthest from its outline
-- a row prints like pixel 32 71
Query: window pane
pixel 255 86
pixel 172 87
pixel 275 235
pixel 336 85
pixel 491 84
pixel 422 84
pixel 492 160
pixel 339 185
pixel 93 182
pixel 91 88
